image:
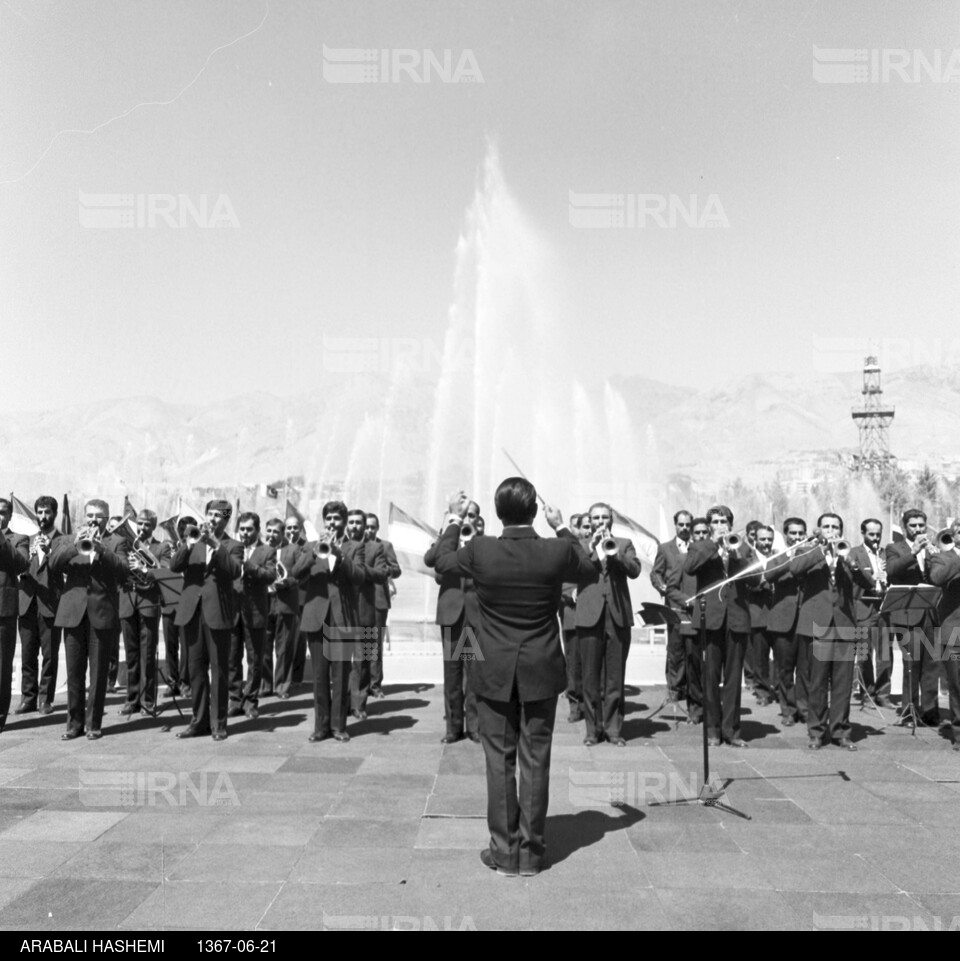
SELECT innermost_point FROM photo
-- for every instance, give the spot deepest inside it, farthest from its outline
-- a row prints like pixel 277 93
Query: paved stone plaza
pixel 267 831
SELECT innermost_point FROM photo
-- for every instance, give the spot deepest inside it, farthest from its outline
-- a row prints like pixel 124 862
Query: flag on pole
pixel 186 509
pixel 169 527
pixel 22 520
pixel 236 516
pixel 66 523
pixel 645 543
pixel 411 539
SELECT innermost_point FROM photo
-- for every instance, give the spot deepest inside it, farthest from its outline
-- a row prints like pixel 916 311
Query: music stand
pixel 658 614
pixel 905 597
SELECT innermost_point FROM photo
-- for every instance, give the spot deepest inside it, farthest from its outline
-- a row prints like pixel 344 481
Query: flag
pixel 66 524
pixel 127 528
pixel 186 509
pixel 644 542
pixel 272 490
pixel 236 516
pixel 23 520
pixel 411 539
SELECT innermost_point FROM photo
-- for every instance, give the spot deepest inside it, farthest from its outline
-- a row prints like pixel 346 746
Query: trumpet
pixel 731 542
pixel 86 538
pixel 323 550
pixel 145 559
pixel 945 539
pixel 191 532
pixel 467 532
pixel 282 573
pixel 608 546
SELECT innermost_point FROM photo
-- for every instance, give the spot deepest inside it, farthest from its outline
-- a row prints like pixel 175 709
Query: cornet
pixel 86 538
pixel 145 558
pixel 730 542
pixel 467 532
pixel 608 546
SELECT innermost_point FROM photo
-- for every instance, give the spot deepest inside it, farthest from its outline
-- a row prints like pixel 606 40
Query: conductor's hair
pixel 45 500
pixel 516 501
pixel 870 520
pixel 909 516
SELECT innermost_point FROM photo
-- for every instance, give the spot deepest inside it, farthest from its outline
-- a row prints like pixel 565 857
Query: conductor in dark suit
pixel 94 568
pixel 14 560
pixel 519 671
pixel 209 563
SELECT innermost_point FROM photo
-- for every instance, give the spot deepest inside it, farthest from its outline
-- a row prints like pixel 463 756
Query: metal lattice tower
pixel 873 421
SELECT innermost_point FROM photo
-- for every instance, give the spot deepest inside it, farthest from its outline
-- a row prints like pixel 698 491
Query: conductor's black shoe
pixel 191 731
pixel 590 741
pixel 94 735
pixel 617 741
pixel 736 742
pixel 219 735
pixel 319 736
pixel 341 736
pixel 25 707
pixel 814 744
pixel 70 735
pixel 846 744
pixel 46 709
pixel 487 859
pixel 452 738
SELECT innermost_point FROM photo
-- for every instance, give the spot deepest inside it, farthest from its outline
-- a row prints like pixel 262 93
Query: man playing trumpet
pixel 330 574
pixel 39 596
pixel 604 618
pixel 140 616
pixel 94 568
pixel 210 561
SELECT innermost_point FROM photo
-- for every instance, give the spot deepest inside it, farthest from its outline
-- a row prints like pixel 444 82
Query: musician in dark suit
pixel 750 672
pixel 827 617
pixel 944 568
pixel 680 590
pixel 371 555
pixel 915 627
pixel 283 622
pixel 89 613
pixel 727 624
pixel 293 532
pixel 604 619
pixel 382 595
pixel 140 605
pixel 39 596
pixel 871 559
pixel 14 560
pixel 175 653
pixel 669 558
pixel 252 603
pixel 760 600
pixel 210 562
pixel 519 671
pixel 329 571
pixel 458 616
pixel 791 657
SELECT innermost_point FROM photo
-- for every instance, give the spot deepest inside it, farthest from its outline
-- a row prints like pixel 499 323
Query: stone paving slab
pixel 141 831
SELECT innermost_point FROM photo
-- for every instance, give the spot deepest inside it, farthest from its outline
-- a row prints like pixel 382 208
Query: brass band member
pixel 669 557
pixel 94 568
pixel 39 596
pixel 383 594
pixel 283 622
pixel 250 627
pixel 14 559
pixel 329 574
pixel 871 559
pixel 140 616
pixel 210 561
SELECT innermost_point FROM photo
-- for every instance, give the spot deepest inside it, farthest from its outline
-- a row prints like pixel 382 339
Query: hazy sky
pixel 343 202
